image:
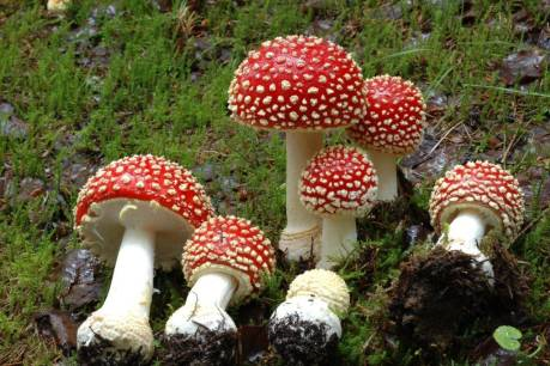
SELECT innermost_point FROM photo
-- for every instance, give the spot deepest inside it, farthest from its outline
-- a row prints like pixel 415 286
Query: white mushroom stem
pixel 205 306
pixel 339 235
pixel 386 170
pixel 464 235
pixel 131 287
pixel 300 148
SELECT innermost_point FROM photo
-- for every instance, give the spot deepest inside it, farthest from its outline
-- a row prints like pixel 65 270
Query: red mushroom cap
pixel 479 185
pixel 395 119
pixel 229 245
pixel 147 178
pixel 339 180
pixel 297 83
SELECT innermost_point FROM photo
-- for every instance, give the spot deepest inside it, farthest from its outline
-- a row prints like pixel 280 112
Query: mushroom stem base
pixel 300 148
pixel 302 245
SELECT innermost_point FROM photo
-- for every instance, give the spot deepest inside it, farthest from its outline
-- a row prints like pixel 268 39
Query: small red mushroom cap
pixel 339 180
pixel 233 246
pixel 147 178
pixel 297 83
pixel 395 119
pixel 484 186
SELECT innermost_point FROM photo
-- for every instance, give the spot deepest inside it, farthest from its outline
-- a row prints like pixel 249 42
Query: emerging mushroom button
pixel 392 127
pixel 136 211
pixel 338 184
pixel 474 198
pixel 224 262
pixel 305 328
pixel 300 85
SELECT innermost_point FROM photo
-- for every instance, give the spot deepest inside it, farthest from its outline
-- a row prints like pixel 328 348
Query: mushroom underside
pixel 439 295
pixel 104 231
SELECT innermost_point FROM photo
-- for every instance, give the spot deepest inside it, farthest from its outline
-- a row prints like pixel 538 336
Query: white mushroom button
pixel 305 329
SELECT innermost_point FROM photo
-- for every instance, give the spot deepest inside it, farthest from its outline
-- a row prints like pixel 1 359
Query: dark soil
pixel 103 353
pixel 204 348
pixel 438 296
pixel 301 342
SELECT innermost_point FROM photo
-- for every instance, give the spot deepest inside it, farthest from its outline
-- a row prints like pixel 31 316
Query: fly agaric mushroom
pixel 300 85
pixel 137 211
pixel 306 327
pixel 392 127
pixel 339 184
pixel 224 262
pixel 438 294
pixel 472 199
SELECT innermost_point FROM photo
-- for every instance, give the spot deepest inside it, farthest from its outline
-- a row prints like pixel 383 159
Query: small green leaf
pixel 508 337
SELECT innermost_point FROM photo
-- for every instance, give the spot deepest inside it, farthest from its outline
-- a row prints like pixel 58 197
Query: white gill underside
pixel 103 229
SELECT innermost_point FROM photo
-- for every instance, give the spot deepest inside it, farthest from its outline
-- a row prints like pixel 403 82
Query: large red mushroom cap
pixel 339 180
pixel 297 83
pixel 164 187
pixel 395 119
pixel 233 246
pixel 482 186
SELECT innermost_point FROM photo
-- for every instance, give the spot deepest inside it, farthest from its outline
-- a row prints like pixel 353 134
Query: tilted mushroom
pixel 305 329
pixel 472 199
pixel 339 184
pixel 137 211
pixel 300 85
pixel 392 127
pixel 224 262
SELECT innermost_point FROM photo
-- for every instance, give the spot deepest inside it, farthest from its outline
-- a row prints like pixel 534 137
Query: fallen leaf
pixel 523 67
pixel 60 326
pixel 10 125
pixel 30 188
pixel 80 279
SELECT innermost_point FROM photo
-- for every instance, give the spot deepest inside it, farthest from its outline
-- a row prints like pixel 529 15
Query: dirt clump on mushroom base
pixel 204 348
pixel 439 295
pixel 103 353
pixel 300 342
